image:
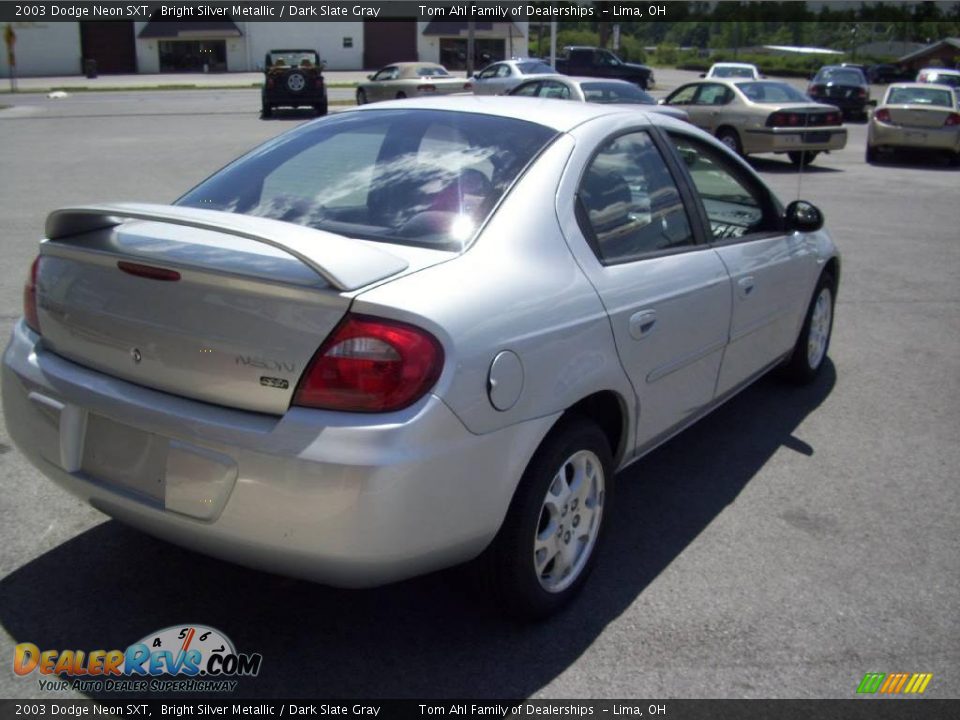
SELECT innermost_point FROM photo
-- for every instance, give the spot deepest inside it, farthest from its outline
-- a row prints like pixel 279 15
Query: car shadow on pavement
pixel 427 637
pixel 785 167
pixel 290 114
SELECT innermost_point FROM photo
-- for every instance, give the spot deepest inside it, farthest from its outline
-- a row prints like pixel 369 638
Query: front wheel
pixel 361 97
pixel 401 95
pixel 802 157
pixel 265 110
pixel 814 340
pixel 871 154
pixel 547 544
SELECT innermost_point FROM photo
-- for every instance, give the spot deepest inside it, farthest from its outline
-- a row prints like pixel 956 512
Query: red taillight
pixel 862 93
pixel 30 315
pixel 883 115
pixel 369 364
pixel 834 119
pixel 816 90
pixel 468 86
pixel 269 82
pixel 319 83
pixel 786 119
pixel 952 119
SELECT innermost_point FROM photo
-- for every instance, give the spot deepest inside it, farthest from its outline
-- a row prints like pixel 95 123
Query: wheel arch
pixel 608 410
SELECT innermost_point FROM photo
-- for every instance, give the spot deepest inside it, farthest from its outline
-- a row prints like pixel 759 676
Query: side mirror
pixel 703 74
pixel 662 101
pixel 370 76
pixel 803 216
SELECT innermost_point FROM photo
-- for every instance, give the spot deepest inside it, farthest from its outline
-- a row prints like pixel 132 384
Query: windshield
pixel 529 68
pixel 734 72
pixel 771 92
pixel 413 177
pixel 608 92
pixel 919 96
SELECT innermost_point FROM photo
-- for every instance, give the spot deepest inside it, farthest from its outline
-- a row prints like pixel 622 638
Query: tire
pixel 871 154
pixel 401 95
pixel 361 97
pixel 729 137
pixel 295 81
pixel 321 109
pixel 802 157
pixel 812 346
pixel 537 563
pixel 265 110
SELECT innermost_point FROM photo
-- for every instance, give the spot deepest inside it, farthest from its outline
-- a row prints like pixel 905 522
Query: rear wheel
pixel 729 137
pixel 321 109
pixel 814 340
pixel 871 154
pixel 547 544
pixel 802 157
pixel 401 95
pixel 265 110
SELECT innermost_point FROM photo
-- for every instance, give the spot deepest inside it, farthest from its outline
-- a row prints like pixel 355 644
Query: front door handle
pixel 642 323
pixel 745 286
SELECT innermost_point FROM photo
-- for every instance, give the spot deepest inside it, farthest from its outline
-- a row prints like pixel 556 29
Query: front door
pixel 771 270
pixel 666 294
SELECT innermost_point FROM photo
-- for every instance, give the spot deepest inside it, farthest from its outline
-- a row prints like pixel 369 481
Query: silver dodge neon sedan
pixel 412 335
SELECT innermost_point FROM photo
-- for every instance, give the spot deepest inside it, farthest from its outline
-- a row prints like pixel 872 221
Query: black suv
pixel 293 78
pixel 845 87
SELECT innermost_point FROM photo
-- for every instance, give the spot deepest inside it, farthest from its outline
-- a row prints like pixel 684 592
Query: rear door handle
pixel 745 286
pixel 642 323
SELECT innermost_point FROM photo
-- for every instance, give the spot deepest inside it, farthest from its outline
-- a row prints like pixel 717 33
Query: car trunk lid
pixel 919 117
pixel 209 305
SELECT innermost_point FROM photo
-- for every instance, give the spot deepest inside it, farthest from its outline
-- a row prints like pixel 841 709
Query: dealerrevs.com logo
pixel 181 658
pixel 894 683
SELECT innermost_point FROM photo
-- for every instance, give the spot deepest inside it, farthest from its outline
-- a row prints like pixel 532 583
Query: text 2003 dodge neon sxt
pixel 412 335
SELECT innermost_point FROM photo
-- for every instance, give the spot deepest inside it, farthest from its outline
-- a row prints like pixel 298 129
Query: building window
pixel 348 42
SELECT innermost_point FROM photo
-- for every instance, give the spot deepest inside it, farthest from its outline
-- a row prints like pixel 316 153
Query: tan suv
pixel 294 78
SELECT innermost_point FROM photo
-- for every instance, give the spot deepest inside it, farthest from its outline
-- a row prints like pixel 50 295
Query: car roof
pixel 734 64
pixel 587 78
pixel 542 111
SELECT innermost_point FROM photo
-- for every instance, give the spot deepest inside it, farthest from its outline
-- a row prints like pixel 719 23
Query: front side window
pixel 736 206
pixel 713 95
pixel 413 177
pixel 527 89
pixel 555 90
pixel 628 203
pixel 683 96
pixel 389 73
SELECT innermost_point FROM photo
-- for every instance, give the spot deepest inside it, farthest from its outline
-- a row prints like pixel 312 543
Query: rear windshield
pixel 534 66
pixel 435 71
pixel 772 92
pixel 842 76
pixel 293 59
pixel 414 177
pixel 607 92
pixel 919 96
pixel 732 72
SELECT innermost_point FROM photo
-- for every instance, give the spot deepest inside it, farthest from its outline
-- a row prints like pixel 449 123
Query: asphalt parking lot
pixel 783 547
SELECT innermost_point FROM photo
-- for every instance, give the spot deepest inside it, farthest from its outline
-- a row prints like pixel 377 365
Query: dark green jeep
pixel 294 78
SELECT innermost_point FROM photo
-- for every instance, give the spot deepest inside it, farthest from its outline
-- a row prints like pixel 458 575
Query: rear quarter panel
pixel 517 288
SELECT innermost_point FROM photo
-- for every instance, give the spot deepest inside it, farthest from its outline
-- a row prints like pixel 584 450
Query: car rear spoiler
pixel 344 263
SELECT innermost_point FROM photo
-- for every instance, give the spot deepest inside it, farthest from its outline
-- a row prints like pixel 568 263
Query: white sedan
pixel 501 77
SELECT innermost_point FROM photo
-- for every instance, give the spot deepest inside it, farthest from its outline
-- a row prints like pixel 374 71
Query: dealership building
pixel 62 48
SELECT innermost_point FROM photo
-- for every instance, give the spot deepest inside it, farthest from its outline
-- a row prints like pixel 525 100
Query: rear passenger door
pixel 666 293
pixel 771 270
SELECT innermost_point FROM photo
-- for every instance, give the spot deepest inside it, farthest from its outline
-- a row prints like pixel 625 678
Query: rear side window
pixel 414 177
pixel 628 204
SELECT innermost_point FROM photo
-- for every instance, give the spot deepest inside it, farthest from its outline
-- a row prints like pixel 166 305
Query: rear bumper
pixel 883 135
pixel 779 140
pixel 349 500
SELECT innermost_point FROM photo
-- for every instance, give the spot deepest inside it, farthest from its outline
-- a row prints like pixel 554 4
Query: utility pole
pixel 471 29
